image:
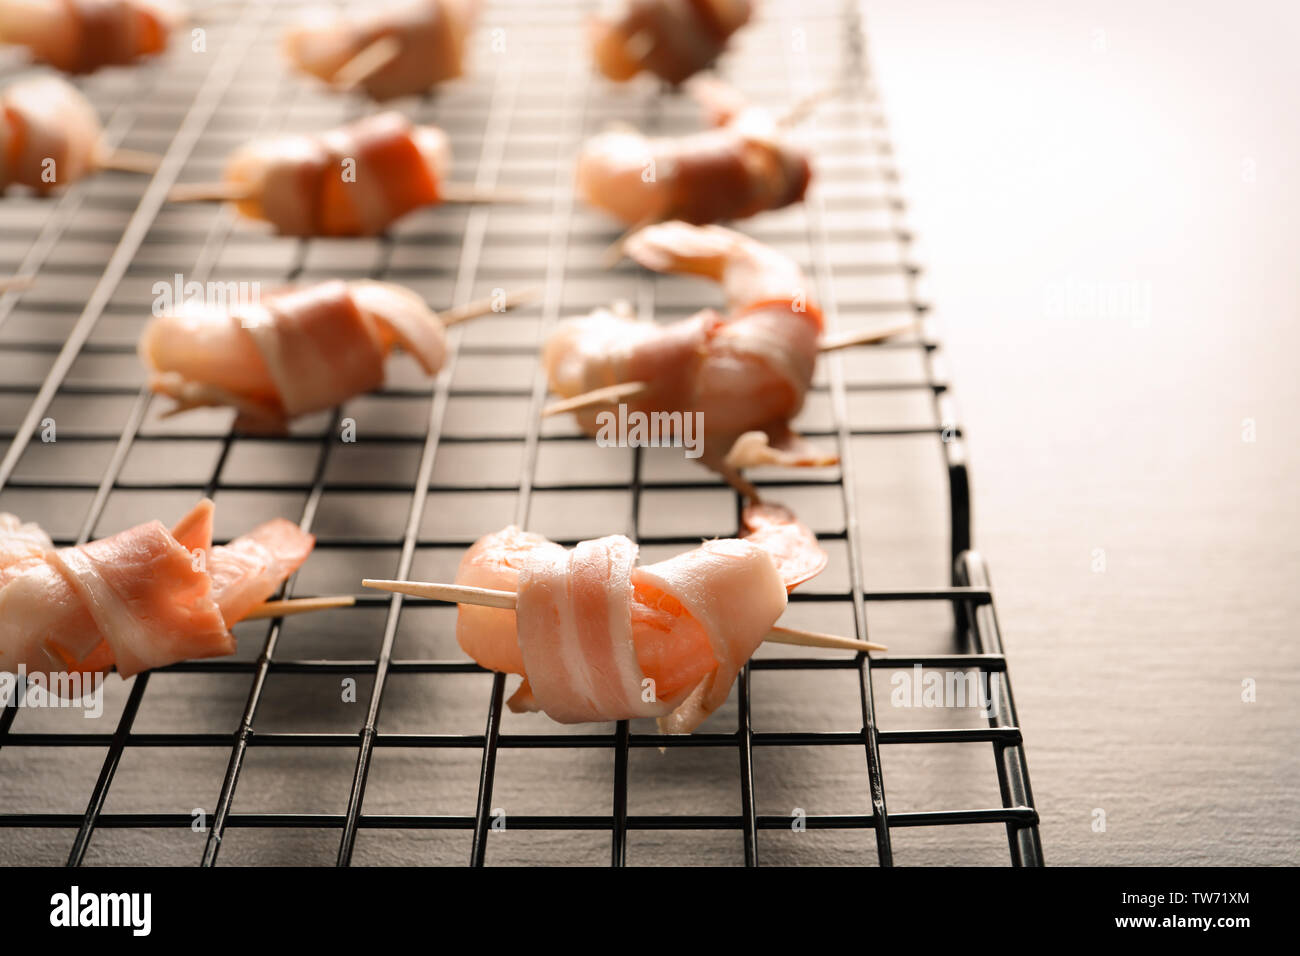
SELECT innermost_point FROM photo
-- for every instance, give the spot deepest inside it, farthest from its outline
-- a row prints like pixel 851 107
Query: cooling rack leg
pixel 1012 767
pixel 960 531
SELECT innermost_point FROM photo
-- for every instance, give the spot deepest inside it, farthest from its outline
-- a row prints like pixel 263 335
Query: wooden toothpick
pixel 490 597
pixel 610 394
pixel 863 336
pixel 600 396
pixel 366 63
pixel 293 606
pixel 472 310
pixel 128 160
pixel 16 283
pixel 226 191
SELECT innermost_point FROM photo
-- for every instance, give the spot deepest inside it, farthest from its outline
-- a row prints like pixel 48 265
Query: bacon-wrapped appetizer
pixel 744 166
pixel 49 135
pixel 294 352
pixel 144 598
pixel 81 36
pixel 415 46
pixel 598 638
pixel 746 373
pixel 355 180
pixel 672 39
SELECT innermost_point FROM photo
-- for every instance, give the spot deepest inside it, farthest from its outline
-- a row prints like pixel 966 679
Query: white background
pixel 1150 148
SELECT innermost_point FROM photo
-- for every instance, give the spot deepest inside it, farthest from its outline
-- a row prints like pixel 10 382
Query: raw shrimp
pixel 80 36
pixel 355 180
pixel 669 646
pixel 429 37
pixel 138 599
pixel 49 134
pixel 487 634
pixel 672 39
pixel 693 620
pixel 737 170
pixel 759 362
pixel 745 373
pixel 297 351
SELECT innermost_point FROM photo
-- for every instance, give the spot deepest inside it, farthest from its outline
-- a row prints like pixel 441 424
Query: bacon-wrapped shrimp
pixel 744 166
pixel 598 638
pixel 49 135
pixel 294 352
pixel 355 180
pixel 672 39
pixel 143 598
pixel 81 36
pixel 421 43
pixel 745 373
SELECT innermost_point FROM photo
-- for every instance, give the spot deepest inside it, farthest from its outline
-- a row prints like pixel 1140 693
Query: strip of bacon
pixel 81 36
pixel 733 590
pixel 610 346
pixel 49 134
pixel 733 172
pixel 430 40
pixel 354 180
pixel 599 639
pixel 746 374
pixel 672 39
pixel 294 352
pixel 143 598
pixel 575 633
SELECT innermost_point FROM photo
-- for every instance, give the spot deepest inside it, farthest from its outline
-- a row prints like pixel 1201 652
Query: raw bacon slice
pixel 431 37
pixel 734 171
pixel 283 178
pixel 194 531
pixel 297 351
pixel 758 369
pixel 355 180
pixel 252 567
pixel 575 634
pixel 44 624
pixel 746 374
pixel 145 595
pixel 597 639
pixel 81 36
pixel 49 133
pixel 391 176
pixel 672 39
pixel 143 598
pixel 610 346
pixel 732 588
pixel 316 346
pixel 402 319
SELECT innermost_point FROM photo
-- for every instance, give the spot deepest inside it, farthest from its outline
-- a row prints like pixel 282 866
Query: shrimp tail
pixel 679 247
pixel 790 543
pixel 720 101
pixel 779 445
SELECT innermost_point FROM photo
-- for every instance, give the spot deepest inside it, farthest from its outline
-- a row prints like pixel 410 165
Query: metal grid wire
pixel 434 465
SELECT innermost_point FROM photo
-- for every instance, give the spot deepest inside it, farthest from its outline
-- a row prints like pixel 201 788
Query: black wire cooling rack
pixel 363 735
